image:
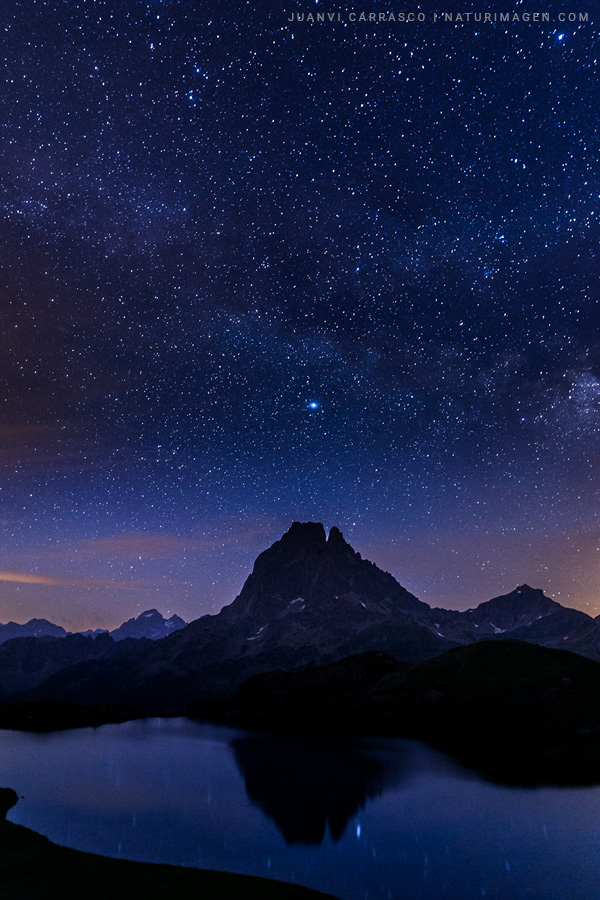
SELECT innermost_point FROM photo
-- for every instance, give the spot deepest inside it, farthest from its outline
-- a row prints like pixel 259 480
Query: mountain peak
pixel 336 536
pixel 312 537
pixel 528 591
pixel 306 534
pixel 33 628
pixel 149 624
pixel 522 606
pixel 313 577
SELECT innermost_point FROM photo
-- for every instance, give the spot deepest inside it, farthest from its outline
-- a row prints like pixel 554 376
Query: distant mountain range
pixel 33 628
pixel 310 600
pixel 150 624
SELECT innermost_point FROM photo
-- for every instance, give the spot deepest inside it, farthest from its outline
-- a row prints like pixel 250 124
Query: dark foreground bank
pixel 32 868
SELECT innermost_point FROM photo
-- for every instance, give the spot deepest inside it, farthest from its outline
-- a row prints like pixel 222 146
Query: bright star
pixel 313 404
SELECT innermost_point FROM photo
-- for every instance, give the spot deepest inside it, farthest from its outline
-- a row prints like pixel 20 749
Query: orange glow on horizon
pixel 92 583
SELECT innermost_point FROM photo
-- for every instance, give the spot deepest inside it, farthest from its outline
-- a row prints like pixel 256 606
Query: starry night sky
pixel 255 271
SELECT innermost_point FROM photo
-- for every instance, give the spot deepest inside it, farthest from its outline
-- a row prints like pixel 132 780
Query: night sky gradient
pixel 255 271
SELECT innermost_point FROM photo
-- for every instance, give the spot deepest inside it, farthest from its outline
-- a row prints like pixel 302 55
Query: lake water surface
pixel 378 819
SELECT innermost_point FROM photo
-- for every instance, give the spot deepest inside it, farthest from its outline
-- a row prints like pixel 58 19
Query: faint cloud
pixel 157 545
pixel 92 583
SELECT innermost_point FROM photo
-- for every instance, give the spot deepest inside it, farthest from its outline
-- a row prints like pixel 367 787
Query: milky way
pixel 256 270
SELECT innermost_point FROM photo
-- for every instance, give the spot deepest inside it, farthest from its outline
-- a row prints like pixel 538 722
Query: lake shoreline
pixel 518 759
pixel 341 814
pixel 516 713
pixel 32 866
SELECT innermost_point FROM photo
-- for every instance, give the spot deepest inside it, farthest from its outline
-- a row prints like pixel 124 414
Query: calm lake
pixel 377 819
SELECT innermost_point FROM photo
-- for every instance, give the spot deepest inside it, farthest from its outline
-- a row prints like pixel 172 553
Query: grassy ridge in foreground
pixel 32 867
pixel 515 712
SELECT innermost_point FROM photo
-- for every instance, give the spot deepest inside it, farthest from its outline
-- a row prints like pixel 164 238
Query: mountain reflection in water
pixel 172 791
pixel 306 784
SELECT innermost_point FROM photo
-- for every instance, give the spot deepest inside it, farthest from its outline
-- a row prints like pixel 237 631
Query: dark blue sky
pixel 255 271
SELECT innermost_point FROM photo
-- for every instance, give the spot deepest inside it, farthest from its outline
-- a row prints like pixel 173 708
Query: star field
pixel 256 270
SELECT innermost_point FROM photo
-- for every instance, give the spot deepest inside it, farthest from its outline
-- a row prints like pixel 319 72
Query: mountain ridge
pixel 149 624
pixel 309 600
